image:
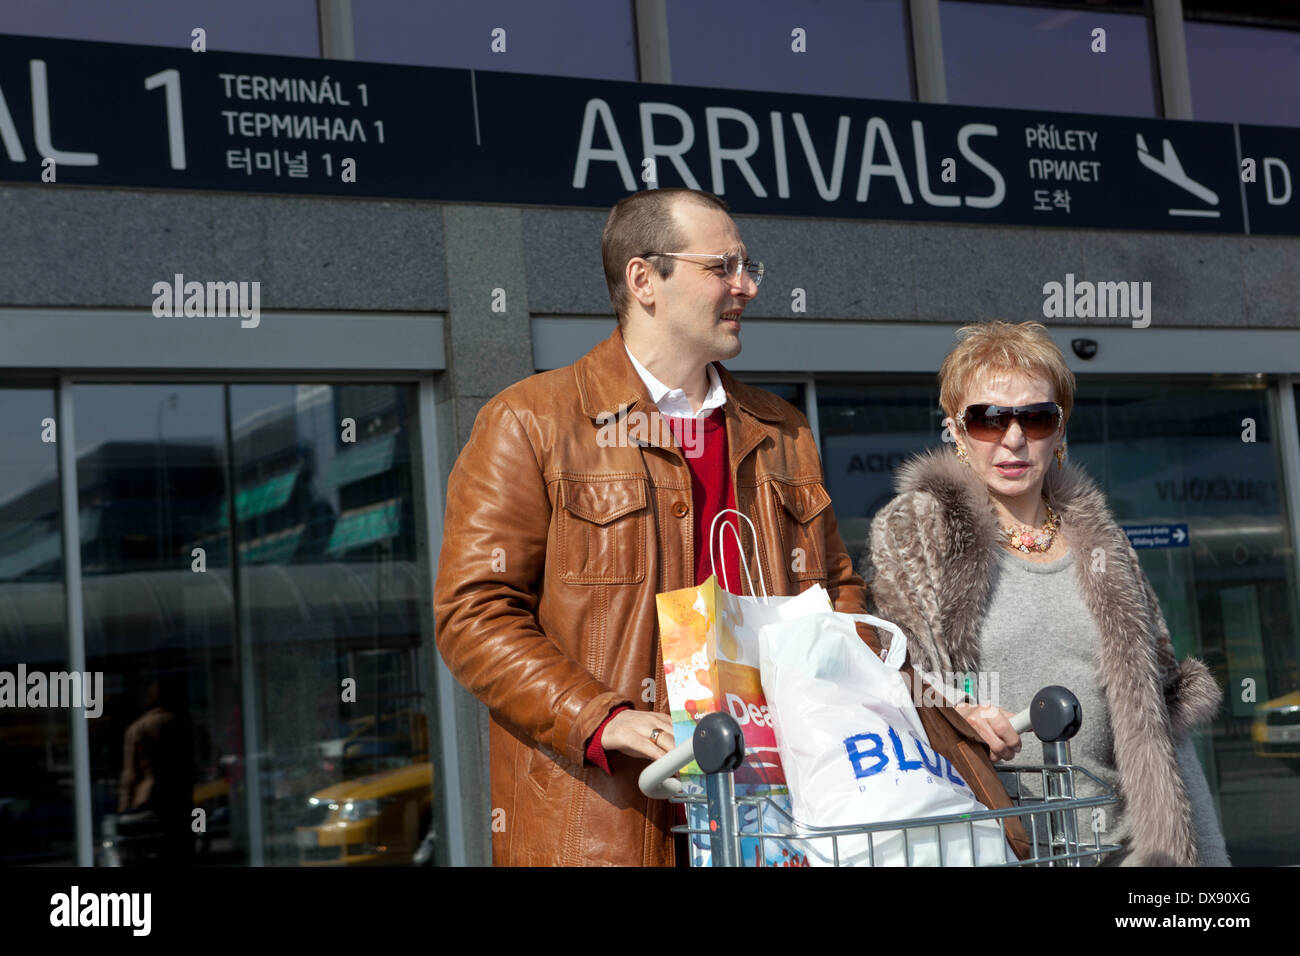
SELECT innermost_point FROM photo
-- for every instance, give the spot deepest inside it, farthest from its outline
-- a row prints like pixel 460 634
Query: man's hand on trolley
pixel 631 732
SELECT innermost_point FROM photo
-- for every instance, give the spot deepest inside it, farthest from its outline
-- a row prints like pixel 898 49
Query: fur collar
pixel 971 541
pixel 932 564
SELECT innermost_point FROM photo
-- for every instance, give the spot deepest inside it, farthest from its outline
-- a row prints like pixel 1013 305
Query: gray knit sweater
pixel 1038 631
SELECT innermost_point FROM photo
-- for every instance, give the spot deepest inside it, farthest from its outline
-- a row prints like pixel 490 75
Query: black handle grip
pixel 1055 714
pixel 719 743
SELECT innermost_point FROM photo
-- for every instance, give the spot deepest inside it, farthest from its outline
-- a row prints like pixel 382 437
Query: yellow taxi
pixel 1276 729
pixel 375 820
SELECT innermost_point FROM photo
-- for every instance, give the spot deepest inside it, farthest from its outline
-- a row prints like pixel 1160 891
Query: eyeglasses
pixel 990 422
pixel 732 265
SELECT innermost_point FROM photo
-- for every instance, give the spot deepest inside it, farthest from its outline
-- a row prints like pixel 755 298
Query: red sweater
pixel 707 457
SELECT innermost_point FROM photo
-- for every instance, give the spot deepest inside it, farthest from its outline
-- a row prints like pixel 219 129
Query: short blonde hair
pixel 997 347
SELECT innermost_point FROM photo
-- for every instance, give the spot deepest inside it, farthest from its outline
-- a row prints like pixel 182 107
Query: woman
pixel 999 561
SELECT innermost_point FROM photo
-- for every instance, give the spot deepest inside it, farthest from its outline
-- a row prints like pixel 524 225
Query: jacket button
pixel 680 509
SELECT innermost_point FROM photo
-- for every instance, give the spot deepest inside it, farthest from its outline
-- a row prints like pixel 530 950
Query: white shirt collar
pixel 673 401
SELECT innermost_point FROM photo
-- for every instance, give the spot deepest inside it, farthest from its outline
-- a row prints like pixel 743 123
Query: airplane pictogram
pixel 1171 168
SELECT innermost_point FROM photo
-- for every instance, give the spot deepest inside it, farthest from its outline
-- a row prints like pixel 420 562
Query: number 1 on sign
pixel 171 81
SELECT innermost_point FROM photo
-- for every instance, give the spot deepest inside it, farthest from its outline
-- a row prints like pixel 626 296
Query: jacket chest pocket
pixel 803 539
pixel 601 530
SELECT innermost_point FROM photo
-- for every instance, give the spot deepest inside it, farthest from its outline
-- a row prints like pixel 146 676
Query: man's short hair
pixel 641 223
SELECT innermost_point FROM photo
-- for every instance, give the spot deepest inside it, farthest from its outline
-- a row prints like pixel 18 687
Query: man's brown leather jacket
pixel 560 530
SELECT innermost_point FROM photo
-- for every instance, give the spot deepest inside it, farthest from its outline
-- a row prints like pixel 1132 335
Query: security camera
pixel 1084 348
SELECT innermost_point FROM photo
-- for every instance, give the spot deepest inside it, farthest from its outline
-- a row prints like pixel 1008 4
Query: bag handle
pixel 716 534
pixel 898 640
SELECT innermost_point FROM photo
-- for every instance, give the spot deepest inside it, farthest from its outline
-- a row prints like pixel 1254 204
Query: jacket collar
pixel 1085 516
pixel 659 392
pixel 610 387
pixel 937 471
pixel 972 532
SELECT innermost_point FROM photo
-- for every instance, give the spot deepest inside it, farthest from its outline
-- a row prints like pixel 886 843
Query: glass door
pixel 253 592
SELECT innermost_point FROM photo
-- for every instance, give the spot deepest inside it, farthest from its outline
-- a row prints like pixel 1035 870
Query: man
pixel 585 491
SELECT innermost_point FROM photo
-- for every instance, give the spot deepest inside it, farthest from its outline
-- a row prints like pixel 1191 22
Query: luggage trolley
pixel 1048 815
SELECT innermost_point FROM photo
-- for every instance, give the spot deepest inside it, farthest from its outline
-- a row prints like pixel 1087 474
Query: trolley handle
pixel 1054 715
pixel 717 745
pixel 657 780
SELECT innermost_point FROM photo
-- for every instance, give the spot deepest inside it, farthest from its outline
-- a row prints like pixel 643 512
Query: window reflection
pixel 36 787
pixel 1244 74
pixel 1177 455
pixel 287 27
pixel 1041 58
pixel 588 38
pixel 252 591
pixel 855 48
pixel 866 433
pixel 151 480
pixel 330 577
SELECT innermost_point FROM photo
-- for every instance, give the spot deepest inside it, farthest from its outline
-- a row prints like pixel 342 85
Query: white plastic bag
pixel 709 639
pixel 855 752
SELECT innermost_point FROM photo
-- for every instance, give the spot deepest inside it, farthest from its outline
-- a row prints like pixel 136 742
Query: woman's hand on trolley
pixel 993 724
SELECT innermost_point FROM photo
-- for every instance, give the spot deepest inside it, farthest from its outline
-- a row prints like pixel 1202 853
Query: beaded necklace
pixel 1027 539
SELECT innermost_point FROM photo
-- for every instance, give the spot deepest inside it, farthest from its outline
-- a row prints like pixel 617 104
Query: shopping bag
pixel 709 640
pixel 855 752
